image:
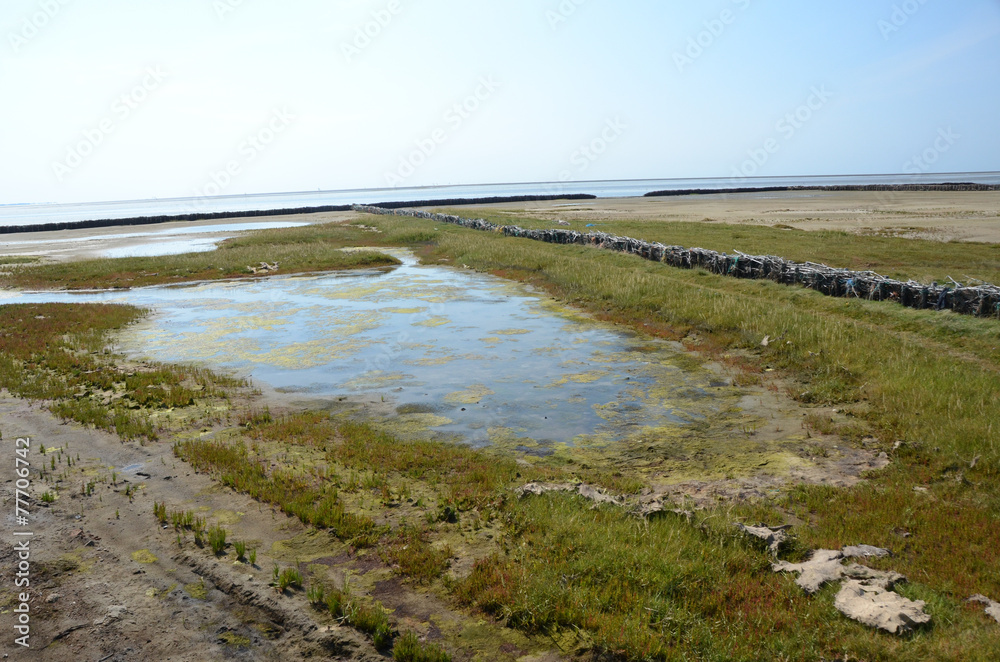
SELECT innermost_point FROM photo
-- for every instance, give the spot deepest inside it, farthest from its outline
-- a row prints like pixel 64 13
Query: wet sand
pixel 66 245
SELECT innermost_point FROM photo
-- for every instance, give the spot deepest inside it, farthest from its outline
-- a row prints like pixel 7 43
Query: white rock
pixel 823 566
pixel 877 607
pixel 992 608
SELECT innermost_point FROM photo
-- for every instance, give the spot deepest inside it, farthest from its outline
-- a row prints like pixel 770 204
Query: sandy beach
pixel 942 216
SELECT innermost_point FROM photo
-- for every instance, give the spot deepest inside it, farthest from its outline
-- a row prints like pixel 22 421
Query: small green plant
pixel 289 578
pixel 253 556
pixel 160 512
pixel 409 648
pixel 316 594
pixel 217 539
pixel 370 619
pixel 241 549
pixel 48 497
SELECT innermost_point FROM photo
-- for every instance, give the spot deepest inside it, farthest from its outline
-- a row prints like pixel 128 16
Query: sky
pixel 134 99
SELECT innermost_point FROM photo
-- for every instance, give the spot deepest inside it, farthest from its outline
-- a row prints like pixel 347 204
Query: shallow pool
pixel 450 350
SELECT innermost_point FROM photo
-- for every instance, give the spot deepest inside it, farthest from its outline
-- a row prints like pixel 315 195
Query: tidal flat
pixel 393 413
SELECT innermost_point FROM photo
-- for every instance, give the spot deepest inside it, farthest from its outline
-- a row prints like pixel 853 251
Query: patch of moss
pixel 144 556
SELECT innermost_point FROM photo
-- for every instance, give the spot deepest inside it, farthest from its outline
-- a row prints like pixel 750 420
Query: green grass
pixel 371 619
pixel 411 552
pixel 288 578
pixel 18 259
pixel 920 259
pixel 308 498
pixel 409 648
pixel 56 353
pixel 229 261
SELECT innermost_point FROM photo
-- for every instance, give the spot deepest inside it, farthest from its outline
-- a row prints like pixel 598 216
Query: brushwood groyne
pixel 890 188
pixel 211 216
pixel 979 300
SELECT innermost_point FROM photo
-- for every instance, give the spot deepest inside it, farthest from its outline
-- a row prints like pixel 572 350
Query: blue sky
pixel 126 99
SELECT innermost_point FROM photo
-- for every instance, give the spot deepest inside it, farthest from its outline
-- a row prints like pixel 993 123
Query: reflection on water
pixel 457 351
pixel 148 241
pixel 158 248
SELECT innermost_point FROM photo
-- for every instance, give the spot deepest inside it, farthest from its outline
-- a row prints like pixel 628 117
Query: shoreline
pixel 155 220
pixel 962 187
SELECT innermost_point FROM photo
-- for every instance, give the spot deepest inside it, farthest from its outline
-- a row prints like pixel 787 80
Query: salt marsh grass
pixel 229 261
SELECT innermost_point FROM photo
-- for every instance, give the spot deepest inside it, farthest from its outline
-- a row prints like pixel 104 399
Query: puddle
pixel 160 248
pixel 149 242
pixel 451 351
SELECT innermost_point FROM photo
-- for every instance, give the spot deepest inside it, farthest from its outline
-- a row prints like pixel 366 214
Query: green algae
pixel 511 332
pixel 307 547
pixel 433 321
pixel 470 396
pixel 580 378
pixel 227 517
pixel 197 591
pixel 144 556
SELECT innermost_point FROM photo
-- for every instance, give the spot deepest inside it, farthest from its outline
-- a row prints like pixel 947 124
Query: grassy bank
pixel 922 260
pixel 230 261
pixel 57 353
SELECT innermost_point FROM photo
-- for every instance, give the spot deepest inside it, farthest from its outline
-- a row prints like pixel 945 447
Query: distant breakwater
pixel 209 216
pixel 980 301
pixel 894 188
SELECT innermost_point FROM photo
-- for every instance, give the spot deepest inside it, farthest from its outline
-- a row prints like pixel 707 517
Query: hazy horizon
pixel 139 100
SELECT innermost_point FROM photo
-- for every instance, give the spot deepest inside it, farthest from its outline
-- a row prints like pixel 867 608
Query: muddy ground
pixel 109 583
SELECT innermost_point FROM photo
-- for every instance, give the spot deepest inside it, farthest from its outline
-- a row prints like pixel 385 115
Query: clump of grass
pixel 287 578
pixel 312 503
pixel 370 619
pixel 240 547
pixel 316 594
pixel 217 539
pixel 411 552
pixel 18 259
pixel 409 648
